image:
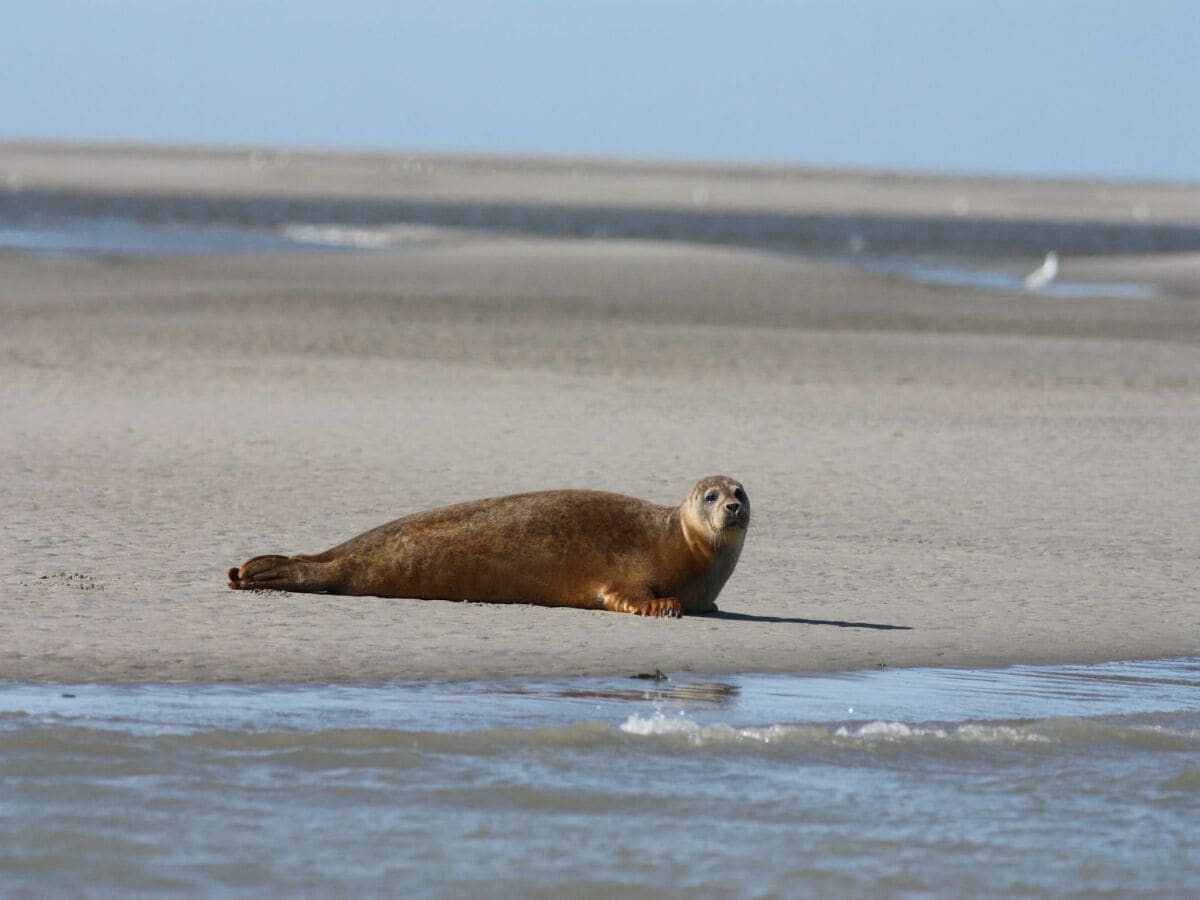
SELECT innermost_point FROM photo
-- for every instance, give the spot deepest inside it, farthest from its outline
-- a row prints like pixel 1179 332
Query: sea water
pixel 1079 780
pixel 988 255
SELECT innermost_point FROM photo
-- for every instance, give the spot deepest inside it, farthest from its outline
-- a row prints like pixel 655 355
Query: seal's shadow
pixel 789 620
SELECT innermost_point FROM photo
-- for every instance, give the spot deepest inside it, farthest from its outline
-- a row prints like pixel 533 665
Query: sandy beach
pixel 939 476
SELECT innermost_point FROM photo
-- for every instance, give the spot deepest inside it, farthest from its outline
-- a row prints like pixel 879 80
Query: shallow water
pixel 1029 780
pixel 974 254
pixel 74 238
pixel 993 278
pixel 82 238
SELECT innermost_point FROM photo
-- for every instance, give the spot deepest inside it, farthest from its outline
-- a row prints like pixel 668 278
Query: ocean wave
pixel 864 733
pixel 971 733
pixel 1066 731
pixel 51 733
pixel 680 725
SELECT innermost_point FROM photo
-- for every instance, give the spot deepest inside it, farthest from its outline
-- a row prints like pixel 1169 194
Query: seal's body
pixel 584 549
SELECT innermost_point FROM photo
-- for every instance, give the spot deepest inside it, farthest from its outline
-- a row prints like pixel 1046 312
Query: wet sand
pixel 939 476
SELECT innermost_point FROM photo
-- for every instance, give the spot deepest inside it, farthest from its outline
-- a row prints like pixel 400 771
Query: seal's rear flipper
pixel 279 573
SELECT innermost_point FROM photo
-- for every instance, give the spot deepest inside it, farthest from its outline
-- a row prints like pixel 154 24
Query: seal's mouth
pixel 734 523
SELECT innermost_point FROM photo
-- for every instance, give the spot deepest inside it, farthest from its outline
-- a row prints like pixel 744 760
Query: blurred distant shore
pixel 568 181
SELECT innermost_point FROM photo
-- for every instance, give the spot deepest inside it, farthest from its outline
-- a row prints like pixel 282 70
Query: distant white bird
pixel 1043 274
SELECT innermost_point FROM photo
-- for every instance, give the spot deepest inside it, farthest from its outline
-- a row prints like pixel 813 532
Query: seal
pixel 573 548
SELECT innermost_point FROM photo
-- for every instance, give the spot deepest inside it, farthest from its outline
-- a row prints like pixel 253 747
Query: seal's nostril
pixel 733 507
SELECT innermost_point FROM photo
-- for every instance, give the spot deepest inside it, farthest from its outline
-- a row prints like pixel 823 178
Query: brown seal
pixel 585 549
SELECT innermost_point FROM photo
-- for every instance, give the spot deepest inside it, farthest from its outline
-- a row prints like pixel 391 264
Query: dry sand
pixel 938 476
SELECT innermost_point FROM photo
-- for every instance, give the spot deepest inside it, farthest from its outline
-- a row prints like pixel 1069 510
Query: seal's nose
pixel 732 507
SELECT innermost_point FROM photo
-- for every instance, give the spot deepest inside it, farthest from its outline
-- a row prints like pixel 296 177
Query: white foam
pixel 971 732
pixel 680 724
pixel 868 732
pixel 660 724
pixel 364 237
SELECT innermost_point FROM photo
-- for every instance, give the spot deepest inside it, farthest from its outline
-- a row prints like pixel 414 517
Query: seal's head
pixel 717 510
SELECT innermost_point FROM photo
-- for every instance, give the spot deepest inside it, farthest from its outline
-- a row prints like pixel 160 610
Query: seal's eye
pixel 740 494
pixel 710 497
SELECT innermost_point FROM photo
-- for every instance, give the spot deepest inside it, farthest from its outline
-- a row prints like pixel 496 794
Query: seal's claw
pixel 648 605
pixel 664 608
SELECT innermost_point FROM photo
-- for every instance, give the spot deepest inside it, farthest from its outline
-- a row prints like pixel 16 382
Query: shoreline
pixel 416 176
pixel 636 681
pixel 1011 478
pixel 517 159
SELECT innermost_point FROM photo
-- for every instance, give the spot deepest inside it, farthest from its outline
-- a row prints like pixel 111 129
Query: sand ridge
pixel 938 476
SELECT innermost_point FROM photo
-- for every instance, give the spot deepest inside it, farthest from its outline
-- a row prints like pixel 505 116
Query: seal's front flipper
pixel 662 607
pixel 648 605
pixel 279 573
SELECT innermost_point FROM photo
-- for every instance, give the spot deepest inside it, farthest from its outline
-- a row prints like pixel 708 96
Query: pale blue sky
pixel 1048 87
